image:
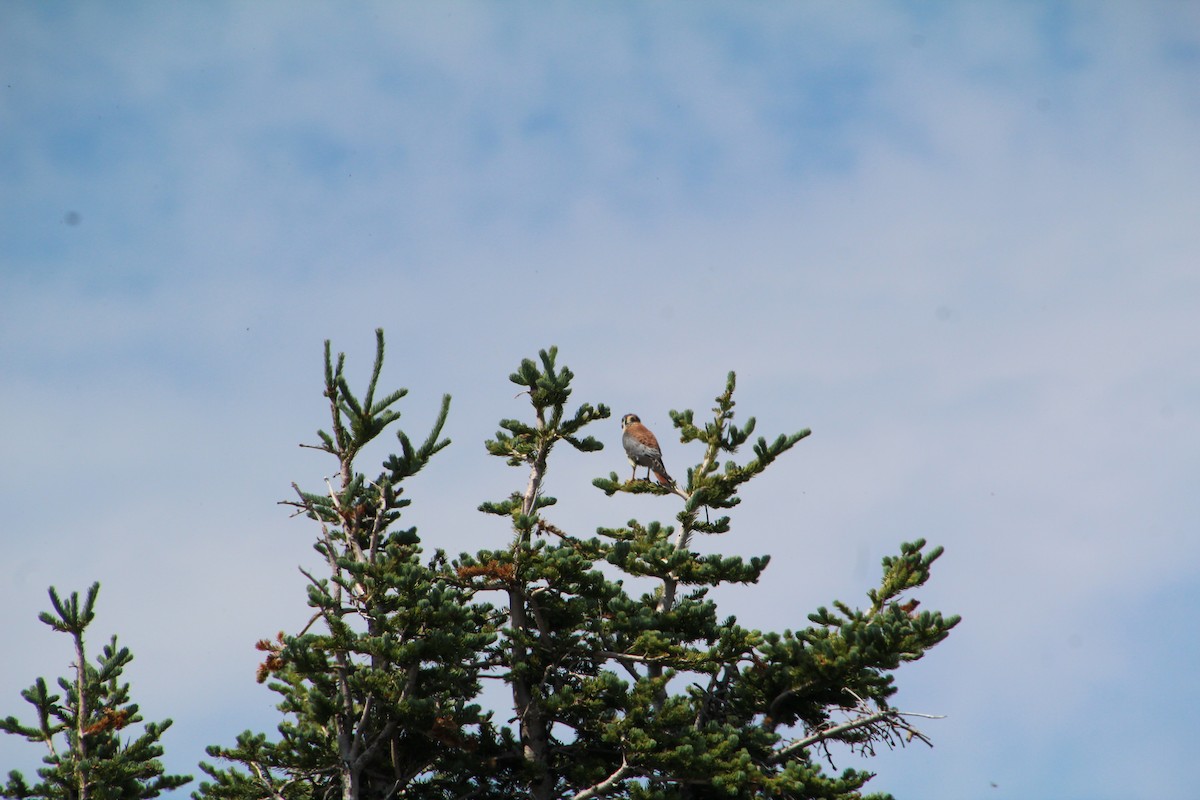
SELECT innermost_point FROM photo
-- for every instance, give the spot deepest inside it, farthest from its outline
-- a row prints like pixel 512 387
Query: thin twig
pixel 314 618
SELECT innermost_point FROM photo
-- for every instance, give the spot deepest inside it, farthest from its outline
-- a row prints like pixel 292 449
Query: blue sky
pixel 958 241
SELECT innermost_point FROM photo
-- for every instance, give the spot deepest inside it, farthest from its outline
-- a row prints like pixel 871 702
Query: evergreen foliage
pixel 625 682
pixel 88 759
pixel 379 698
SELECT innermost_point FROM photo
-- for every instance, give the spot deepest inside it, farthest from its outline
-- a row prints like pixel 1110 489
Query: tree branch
pixel 631 657
pixel 605 785
pixel 895 719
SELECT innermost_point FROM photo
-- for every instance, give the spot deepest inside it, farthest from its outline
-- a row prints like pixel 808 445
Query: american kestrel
pixel 643 450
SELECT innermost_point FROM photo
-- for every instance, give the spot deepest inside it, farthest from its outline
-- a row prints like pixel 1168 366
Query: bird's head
pixel 628 420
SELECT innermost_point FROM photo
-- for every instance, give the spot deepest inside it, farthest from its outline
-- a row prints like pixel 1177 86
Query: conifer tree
pixel 624 680
pixel 377 689
pixel 88 759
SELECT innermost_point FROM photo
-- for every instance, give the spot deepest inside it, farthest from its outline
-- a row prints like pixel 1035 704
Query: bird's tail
pixel 660 472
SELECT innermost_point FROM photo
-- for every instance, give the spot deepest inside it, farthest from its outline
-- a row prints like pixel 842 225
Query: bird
pixel 642 449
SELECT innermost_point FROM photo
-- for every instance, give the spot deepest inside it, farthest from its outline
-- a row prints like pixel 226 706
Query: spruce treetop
pixel 89 758
pixel 621 677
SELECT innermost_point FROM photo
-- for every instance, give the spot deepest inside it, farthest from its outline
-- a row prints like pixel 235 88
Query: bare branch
pixel 359 728
pixel 267 781
pixel 345 516
pixel 313 619
pixel 605 785
pixel 383 736
pixel 893 719
pixel 633 658
pixel 379 523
